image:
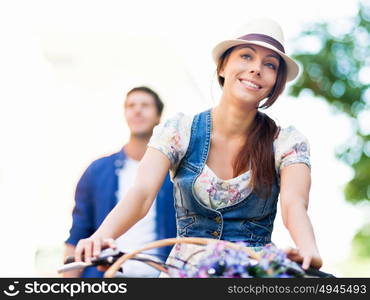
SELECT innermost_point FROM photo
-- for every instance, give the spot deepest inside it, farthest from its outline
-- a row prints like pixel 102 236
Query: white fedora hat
pixel 262 32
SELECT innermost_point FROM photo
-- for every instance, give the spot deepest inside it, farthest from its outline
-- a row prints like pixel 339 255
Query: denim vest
pixel 250 220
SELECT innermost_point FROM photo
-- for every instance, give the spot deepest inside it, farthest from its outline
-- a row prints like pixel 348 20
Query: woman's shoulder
pixel 172 136
pixel 291 139
pixel 291 146
pixel 289 133
pixel 178 120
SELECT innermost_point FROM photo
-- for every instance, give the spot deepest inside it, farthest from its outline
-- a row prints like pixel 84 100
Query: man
pixel 107 180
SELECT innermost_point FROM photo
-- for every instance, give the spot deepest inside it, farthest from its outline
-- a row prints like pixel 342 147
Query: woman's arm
pixel 295 183
pixel 152 171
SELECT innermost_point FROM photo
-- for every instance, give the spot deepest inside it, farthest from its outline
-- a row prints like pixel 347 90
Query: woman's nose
pixel 255 70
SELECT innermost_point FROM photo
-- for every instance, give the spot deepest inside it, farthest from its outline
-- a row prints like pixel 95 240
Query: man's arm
pixel 82 217
pixel 152 171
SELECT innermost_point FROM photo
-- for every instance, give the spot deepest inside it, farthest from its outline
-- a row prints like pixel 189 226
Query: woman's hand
pixel 91 247
pixel 306 257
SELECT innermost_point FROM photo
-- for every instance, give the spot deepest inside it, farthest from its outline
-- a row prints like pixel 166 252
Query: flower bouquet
pixel 222 259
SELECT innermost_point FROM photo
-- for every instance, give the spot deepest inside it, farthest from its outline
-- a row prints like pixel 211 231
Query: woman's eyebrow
pixel 250 47
pixel 274 56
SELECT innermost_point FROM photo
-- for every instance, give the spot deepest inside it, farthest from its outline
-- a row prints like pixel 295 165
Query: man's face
pixel 141 114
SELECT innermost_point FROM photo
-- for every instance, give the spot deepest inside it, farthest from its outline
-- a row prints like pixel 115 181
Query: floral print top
pixel 172 138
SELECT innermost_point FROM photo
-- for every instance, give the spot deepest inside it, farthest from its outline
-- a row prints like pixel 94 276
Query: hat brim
pixel 292 66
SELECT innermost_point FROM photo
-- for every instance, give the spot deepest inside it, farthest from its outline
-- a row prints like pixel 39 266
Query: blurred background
pixel 65 67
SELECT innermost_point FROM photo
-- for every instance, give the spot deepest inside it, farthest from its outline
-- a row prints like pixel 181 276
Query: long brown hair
pixel 257 151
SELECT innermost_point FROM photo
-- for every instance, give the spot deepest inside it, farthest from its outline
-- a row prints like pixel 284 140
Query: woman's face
pixel 250 73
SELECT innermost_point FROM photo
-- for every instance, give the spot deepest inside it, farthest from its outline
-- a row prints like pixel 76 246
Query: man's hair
pixel 158 102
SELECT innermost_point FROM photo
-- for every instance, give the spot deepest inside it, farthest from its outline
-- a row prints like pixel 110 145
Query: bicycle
pixel 220 259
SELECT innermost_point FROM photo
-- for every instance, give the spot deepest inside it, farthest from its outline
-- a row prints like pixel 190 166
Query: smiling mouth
pixel 250 84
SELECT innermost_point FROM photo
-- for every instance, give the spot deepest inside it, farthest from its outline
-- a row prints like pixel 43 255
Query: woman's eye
pixel 271 66
pixel 246 56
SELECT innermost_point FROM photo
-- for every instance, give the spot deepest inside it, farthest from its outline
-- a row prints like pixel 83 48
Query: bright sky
pixel 65 66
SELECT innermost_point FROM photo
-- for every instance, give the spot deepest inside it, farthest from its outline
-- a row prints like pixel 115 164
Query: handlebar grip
pixel 69 259
pixel 317 273
pixel 105 257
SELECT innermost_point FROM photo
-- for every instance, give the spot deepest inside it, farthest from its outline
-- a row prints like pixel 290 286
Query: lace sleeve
pixel 291 147
pixel 172 138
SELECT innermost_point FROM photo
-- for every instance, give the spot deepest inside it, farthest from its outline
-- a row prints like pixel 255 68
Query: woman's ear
pixel 221 70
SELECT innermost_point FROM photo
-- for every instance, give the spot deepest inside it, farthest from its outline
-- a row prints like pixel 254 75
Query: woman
pixel 229 163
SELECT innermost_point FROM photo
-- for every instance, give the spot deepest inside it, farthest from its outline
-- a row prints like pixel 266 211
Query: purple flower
pixel 220 261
